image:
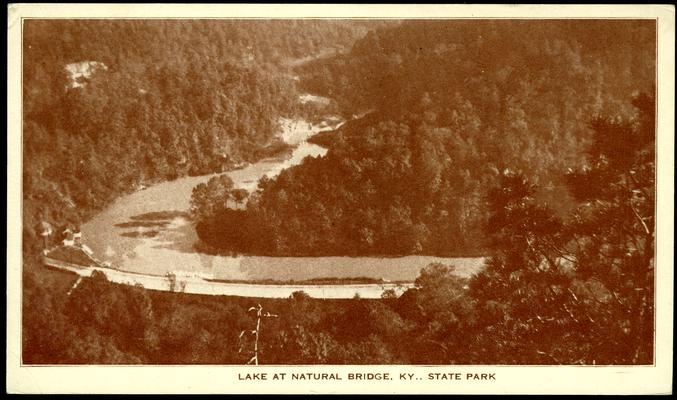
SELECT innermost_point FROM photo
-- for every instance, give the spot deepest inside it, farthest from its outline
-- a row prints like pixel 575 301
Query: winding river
pixel 149 232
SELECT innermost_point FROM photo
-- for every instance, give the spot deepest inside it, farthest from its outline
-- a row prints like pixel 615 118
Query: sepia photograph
pixel 319 191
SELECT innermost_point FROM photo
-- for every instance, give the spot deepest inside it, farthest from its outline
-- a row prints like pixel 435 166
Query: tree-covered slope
pixel 455 104
pixel 525 147
pixel 160 99
pixel 156 99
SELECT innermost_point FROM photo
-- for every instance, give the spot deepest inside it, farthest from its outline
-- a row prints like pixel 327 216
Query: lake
pixel 150 232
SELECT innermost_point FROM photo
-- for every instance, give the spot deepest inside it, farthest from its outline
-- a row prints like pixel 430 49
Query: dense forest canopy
pixel 155 100
pixel 453 104
pixel 517 58
pixel 172 98
pixel 530 142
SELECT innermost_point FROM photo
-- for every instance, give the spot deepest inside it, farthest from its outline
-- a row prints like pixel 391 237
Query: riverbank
pixel 197 285
pixel 120 235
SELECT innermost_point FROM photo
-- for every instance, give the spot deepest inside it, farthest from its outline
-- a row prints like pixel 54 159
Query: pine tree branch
pixel 641 220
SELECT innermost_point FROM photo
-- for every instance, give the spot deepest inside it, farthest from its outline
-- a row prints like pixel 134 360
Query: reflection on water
pixel 149 225
pixel 141 224
pixel 137 234
pixel 150 231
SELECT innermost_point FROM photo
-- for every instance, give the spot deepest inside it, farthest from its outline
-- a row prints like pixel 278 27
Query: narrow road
pixel 196 285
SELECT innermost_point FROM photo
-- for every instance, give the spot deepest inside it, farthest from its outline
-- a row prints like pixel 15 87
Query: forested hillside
pixel 112 105
pixel 455 103
pixel 172 98
pixel 557 291
pixel 532 143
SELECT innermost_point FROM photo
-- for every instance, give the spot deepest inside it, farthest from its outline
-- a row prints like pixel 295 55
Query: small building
pixel 77 238
pixel 68 239
pixel 72 237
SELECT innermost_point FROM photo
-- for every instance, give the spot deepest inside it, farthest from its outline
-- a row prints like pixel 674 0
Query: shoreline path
pixel 197 285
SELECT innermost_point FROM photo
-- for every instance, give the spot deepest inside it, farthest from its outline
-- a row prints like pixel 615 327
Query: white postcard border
pixel 225 379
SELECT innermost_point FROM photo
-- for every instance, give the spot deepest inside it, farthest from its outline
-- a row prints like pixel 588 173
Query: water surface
pixel 150 232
